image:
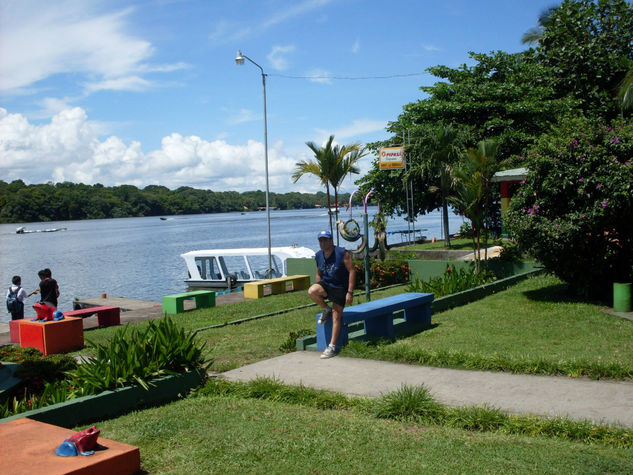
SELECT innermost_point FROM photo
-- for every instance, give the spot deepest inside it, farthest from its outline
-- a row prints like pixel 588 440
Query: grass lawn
pixel 212 434
pixel 533 327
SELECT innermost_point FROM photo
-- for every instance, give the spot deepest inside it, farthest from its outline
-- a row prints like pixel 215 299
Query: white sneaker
pixel 329 352
pixel 325 316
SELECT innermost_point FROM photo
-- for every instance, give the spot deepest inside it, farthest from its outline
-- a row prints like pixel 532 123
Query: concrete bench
pixel 280 285
pixel 106 316
pixel 173 304
pixel 377 316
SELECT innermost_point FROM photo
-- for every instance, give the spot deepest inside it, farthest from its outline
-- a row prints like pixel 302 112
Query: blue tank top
pixel 333 270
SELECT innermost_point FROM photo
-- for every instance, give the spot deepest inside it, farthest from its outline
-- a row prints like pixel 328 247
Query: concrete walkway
pixel 606 402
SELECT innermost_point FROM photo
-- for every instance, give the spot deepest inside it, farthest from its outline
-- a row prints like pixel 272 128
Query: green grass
pixel 232 434
pixel 534 327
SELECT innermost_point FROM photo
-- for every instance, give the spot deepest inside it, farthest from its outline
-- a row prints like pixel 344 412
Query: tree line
pixel 22 203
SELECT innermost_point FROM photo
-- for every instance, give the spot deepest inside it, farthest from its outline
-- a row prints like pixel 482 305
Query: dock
pixel 132 310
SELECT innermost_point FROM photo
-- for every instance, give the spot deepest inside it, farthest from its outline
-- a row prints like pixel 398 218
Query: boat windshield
pixel 208 268
pixel 259 266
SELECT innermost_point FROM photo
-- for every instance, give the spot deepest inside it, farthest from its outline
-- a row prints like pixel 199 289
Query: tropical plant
pixel 331 164
pixel 451 282
pixel 439 153
pixel 625 92
pixel 573 213
pixel 472 195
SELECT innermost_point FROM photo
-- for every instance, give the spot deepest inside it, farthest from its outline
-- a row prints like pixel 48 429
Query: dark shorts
pixel 336 295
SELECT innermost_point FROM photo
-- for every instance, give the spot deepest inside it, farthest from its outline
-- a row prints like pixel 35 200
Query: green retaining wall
pixel 425 269
pixel 301 266
pixel 113 403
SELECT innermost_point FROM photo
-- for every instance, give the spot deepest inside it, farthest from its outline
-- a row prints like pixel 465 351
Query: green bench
pixel 173 304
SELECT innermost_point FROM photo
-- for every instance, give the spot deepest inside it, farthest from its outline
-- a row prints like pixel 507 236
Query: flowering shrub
pixel 382 273
pixel 574 212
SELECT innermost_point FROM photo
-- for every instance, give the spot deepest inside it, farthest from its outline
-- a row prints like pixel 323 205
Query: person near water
pixel 335 279
pixel 48 289
pixel 16 295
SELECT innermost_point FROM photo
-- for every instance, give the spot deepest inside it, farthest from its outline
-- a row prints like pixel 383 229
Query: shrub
pixel 382 273
pixel 574 211
pixel 451 282
pixel 161 348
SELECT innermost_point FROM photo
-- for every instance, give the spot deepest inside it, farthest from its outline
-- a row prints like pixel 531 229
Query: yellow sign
pixel 391 158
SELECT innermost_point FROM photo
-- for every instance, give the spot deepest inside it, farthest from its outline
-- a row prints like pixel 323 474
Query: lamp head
pixel 239 59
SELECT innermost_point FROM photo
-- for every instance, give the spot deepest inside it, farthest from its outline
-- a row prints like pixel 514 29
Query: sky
pixel 147 92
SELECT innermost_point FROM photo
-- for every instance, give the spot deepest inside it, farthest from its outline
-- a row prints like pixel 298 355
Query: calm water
pixel 140 257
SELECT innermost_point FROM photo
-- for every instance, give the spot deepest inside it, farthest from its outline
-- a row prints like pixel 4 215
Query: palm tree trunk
pixel 447 239
pixel 329 205
pixel 336 213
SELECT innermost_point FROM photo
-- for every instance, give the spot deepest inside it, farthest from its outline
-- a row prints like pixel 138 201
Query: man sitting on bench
pixel 335 279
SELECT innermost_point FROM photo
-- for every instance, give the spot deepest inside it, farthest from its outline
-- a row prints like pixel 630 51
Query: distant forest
pixel 21 203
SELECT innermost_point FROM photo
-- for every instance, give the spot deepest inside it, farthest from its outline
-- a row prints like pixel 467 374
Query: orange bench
pixel 28 446
pixel 53 336
pixel 106 316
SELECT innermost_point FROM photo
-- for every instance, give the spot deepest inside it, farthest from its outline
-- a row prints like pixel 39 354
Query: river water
pixel 140 257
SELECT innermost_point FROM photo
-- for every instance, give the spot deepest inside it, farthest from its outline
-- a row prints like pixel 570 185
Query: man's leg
pixel 318 295
pixel 337 318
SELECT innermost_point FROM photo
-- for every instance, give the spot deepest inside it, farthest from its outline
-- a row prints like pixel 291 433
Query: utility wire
pixel 348 78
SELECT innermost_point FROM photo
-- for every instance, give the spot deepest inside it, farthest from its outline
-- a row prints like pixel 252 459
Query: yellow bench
pixel 255 290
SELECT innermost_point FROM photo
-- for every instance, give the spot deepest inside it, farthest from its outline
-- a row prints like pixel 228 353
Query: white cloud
pixel 70 37
pixel 320 76
pixel 356 46
pixel 277 57
pixel 70 148
pixel 244 115
pixel 431 48
pixel 356 128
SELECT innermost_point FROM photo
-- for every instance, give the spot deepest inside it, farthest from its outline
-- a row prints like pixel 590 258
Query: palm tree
pixel 345 159
pixel 473 190
pixel 443 149
pixel 625 93
pixel 321 167
pixel 535 34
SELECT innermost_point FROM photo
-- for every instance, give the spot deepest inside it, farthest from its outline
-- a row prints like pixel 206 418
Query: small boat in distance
pixel 226 268
pixel 23 230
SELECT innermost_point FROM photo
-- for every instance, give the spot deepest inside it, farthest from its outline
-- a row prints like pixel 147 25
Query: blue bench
pixel 377 316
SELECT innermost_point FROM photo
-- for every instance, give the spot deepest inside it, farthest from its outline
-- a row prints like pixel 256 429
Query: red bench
pixel 106 316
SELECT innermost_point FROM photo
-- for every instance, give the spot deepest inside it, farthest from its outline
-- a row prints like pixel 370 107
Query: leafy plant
pixel 161 348
pixel 18 354
pixel 451 282
pixel 573 213
pixel 409 403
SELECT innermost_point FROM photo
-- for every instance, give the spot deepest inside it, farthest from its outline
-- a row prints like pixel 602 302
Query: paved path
pixel 609 402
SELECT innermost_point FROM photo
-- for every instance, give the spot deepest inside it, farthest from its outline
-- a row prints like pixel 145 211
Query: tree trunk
pixel 447 239
pixel 329 205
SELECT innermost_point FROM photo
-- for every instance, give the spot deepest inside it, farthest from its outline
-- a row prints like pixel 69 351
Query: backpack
pixel 14 306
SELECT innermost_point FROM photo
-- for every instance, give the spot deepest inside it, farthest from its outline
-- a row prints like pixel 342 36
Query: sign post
pixel 391 158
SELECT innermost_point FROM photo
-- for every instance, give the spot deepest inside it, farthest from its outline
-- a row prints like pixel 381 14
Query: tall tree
pixel 438 153
pixel 321 167
pixel 588 46
pixel 345 159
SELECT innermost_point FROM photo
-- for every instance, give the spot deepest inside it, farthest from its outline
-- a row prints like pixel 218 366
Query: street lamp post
pixel 239 60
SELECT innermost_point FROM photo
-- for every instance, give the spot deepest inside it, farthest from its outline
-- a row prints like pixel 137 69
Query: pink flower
pixel 604 203
pixel 598 186
pixel 581 180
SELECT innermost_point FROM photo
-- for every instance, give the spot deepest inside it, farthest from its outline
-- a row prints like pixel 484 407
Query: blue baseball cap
pixel 325 234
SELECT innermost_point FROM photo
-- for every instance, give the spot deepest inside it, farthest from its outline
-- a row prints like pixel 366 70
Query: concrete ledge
pixel 112 403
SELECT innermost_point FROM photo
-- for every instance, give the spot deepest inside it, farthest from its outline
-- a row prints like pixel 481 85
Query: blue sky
pixel 147 91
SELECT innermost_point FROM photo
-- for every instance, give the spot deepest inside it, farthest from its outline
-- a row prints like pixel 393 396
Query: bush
pixel 382 273
pixel 574 212
pixel 451 282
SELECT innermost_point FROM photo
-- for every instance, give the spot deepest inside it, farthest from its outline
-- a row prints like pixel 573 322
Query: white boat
pixel 222 268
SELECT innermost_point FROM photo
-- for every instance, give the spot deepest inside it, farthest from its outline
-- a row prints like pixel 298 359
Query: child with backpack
pixel 15 298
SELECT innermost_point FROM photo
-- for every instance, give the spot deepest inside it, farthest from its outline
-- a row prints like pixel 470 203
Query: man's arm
pixel 318 275
pixel 349 265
